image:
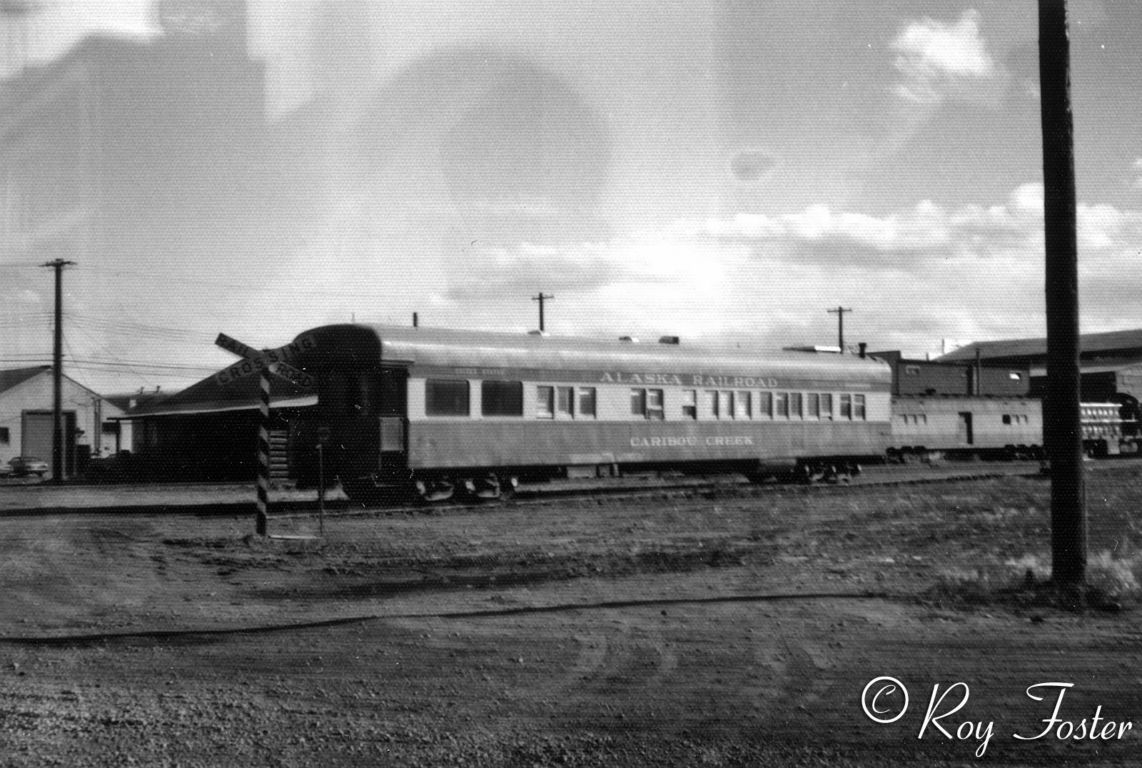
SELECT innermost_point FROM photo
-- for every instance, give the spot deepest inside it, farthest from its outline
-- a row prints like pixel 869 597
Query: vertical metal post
pixel 321 487
pixel 1062 419
pixel 263 454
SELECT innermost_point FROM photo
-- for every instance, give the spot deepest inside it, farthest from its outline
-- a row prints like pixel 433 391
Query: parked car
pixel 5 470
pixel 28 465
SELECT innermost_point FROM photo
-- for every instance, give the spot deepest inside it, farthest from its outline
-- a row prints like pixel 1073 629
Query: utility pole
pixel 540 298
pixel 840 313
pixel 1062 417
pixel 57 374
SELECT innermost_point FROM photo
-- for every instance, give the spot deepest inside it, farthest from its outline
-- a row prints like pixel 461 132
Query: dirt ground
pixel 709 629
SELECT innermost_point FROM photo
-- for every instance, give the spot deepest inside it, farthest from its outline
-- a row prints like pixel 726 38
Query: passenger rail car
pixel 934 426
pixel 442 412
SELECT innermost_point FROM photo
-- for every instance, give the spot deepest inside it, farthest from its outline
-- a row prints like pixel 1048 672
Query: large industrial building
pixel 1111 363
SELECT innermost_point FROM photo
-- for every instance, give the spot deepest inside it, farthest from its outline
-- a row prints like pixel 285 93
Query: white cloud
pixel 936 59
pixel 913 275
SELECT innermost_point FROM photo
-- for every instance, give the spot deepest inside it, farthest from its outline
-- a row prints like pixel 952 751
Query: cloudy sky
pixel 716 169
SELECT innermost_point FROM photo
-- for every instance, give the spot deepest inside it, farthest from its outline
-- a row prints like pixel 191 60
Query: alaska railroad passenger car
pixel 440 412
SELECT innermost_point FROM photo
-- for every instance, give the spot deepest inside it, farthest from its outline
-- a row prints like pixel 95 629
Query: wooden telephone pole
pixel 1062 418
pixel 57 374
pixel 840 313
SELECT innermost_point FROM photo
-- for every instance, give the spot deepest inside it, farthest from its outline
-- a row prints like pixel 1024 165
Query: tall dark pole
pixel 540 298
pixel 840 313
pixel 1062 421
pixel 57 374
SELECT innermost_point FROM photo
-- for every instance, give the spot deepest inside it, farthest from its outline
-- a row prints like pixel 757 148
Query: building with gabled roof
pixel 26 418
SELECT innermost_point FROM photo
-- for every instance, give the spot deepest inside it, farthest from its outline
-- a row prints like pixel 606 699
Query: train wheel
pixel 490 487
pixel 436 490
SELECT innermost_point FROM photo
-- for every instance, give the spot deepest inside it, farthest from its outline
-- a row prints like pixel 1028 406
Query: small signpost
pixel 265 363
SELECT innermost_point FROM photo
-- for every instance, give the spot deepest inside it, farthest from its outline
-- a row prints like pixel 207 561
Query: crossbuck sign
pixel 276 361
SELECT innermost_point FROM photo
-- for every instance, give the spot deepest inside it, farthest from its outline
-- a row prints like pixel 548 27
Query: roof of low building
pixel 1091 344
pixel 15 376
pixel 209 396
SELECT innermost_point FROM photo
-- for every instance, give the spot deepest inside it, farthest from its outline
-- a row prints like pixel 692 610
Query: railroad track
pixel 237 498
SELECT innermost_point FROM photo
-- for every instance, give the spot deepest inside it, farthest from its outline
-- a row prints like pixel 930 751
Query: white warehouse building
pixel 26 418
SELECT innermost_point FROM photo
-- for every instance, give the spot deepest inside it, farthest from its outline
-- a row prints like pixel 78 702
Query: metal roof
pixel 437 347
pixel 1090 343
pixel 16 376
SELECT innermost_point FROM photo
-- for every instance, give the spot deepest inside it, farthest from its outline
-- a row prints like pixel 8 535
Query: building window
pixel 544 402
pixel 446 397
pixel 565 401
pixel 742 405
pixel 5 438
pixel 501 398
pixel 587 402
pixel 911 370
pixel 690 404
pixel 765 405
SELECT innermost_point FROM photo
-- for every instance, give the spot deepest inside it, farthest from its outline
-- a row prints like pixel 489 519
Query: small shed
pixel 27 418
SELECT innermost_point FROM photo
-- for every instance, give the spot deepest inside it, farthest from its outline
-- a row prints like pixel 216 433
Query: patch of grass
pixel 1111 583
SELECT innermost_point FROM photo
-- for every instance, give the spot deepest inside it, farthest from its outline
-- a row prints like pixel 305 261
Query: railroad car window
pixel 654 408
pixel 858 408
pixel 446 397
pixel 765 405
pixel 827 406
pixel 912 370
pixel 743 403
pixel 544 402
pixel 501 398
pixel 781 405
pixel 1015 376
pixel 812 406
pixel 726 405
pixel 690 404
pixel 847 407
pixel 712 403
pixel 795 411
pixel 638 402
pixel 587 402
pixel 565 401
pixel 4 438
pixel 1007 418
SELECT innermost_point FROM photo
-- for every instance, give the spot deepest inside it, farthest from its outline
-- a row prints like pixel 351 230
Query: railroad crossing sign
pixel 276 361
pixel 264 363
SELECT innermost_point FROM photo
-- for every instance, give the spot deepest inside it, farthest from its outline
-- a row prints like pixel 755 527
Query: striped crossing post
pixel 263 452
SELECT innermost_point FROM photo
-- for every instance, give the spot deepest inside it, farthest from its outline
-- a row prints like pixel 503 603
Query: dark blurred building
pixel 929 377
pixel 132 153
pixel 1110 363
